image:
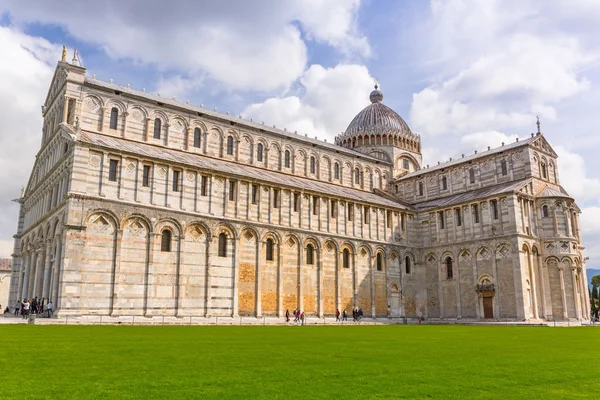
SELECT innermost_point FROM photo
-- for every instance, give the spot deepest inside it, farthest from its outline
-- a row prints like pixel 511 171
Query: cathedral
pixel 139 205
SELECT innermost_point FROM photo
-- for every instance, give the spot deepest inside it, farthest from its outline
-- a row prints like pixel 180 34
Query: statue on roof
pixel 64 54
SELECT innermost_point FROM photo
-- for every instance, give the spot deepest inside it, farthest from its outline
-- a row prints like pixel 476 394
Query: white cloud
pixel 26 73
pixel 331 98
pixel 242 45
pixel 574 177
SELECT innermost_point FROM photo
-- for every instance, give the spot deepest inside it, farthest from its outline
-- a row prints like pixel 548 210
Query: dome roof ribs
pixel 379 125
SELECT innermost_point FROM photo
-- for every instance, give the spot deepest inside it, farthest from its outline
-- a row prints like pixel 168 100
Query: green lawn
pixel 462 362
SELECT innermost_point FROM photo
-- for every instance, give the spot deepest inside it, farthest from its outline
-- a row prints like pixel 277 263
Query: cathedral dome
pixel 377 119
pixel 379 125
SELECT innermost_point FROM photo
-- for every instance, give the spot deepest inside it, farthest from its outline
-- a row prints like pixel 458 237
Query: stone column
pixel 533 285
pixel 338 292
pixel 147 130
pixel 114 279
pixel 24 284
pixel 46 278
pixel 57 267
pixel 542 287
pixel 458 297
pixel 562 291
pixel 279 281
pixel 236 275
pixel 576 298
pixel 33 282
pixel 300 286
pixel 584 294
pixel 555 221
pixel 105 117
pixel 179 311
pixel 354 280
pixel 207 291
pixel 187 137
pixel 372 275
pixel 167 133
pixel 319 252
pixel 258 283
pixel 153 239
pixel 125 115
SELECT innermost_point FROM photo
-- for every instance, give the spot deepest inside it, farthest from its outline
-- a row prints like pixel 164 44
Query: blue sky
pixel 465 74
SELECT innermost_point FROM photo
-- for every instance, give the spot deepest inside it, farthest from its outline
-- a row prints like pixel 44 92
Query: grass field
pixel 462 362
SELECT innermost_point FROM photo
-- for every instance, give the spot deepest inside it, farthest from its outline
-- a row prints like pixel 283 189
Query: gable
pixel 58 82
pixel 542 145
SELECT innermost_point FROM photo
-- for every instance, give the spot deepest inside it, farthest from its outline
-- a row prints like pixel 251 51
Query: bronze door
pixel 488 309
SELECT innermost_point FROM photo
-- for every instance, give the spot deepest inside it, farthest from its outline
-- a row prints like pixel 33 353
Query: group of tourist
pixel 300 317
pixel 35 306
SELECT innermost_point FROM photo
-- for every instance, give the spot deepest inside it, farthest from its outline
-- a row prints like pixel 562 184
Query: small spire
pixel 538 124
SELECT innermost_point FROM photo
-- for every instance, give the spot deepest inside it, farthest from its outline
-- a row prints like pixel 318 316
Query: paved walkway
pixel 254 321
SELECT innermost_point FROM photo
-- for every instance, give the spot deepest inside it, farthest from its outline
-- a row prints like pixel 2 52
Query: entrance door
pixel 488 309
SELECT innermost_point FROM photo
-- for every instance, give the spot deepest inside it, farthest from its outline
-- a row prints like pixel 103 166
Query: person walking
pixel 360 314
pixel 302 318
pixel 295 315
pixel 298 314
pixel 337 315
pixel 26 306
pixel 345 316
pixel 354 315
pixel 287 314
pixel 49 308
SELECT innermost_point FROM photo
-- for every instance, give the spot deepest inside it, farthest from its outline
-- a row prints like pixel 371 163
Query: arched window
pixel 503 167
pixel 544 171
pixel 420 188
pixel 346 258
pixel 407 266
pixel 259 152
pixel 357 176
pixel 269 249
pixel 449 272
pixel 313 165
pixel 287 159
pixel 197 136
pixel 114 115
pixel 405 164
pixel 379 262
pixel 472 175
pixel 310 251
pixel 230 145
pixel 545 213
pixel 157 128
pixel 165 240
pixel 444 183
pixel 336 171
pixel 223 244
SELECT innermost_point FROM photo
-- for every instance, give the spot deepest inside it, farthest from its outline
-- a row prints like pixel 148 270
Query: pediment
pixel 541 144
pixel 58 82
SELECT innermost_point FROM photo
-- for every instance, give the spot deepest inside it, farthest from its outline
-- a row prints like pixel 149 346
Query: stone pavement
pixel 254 321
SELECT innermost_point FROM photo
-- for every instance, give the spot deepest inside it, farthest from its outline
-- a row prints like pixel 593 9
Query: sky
pixel 464 74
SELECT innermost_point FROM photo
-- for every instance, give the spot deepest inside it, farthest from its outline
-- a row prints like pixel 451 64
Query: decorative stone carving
pixel 483 254
pixel 95 160
pixel 162 172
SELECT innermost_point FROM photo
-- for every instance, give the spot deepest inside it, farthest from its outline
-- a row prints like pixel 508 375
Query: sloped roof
pixel 468 158
pixel 235 119
pixel 547 191
pixel 229 168
pixel 472 195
